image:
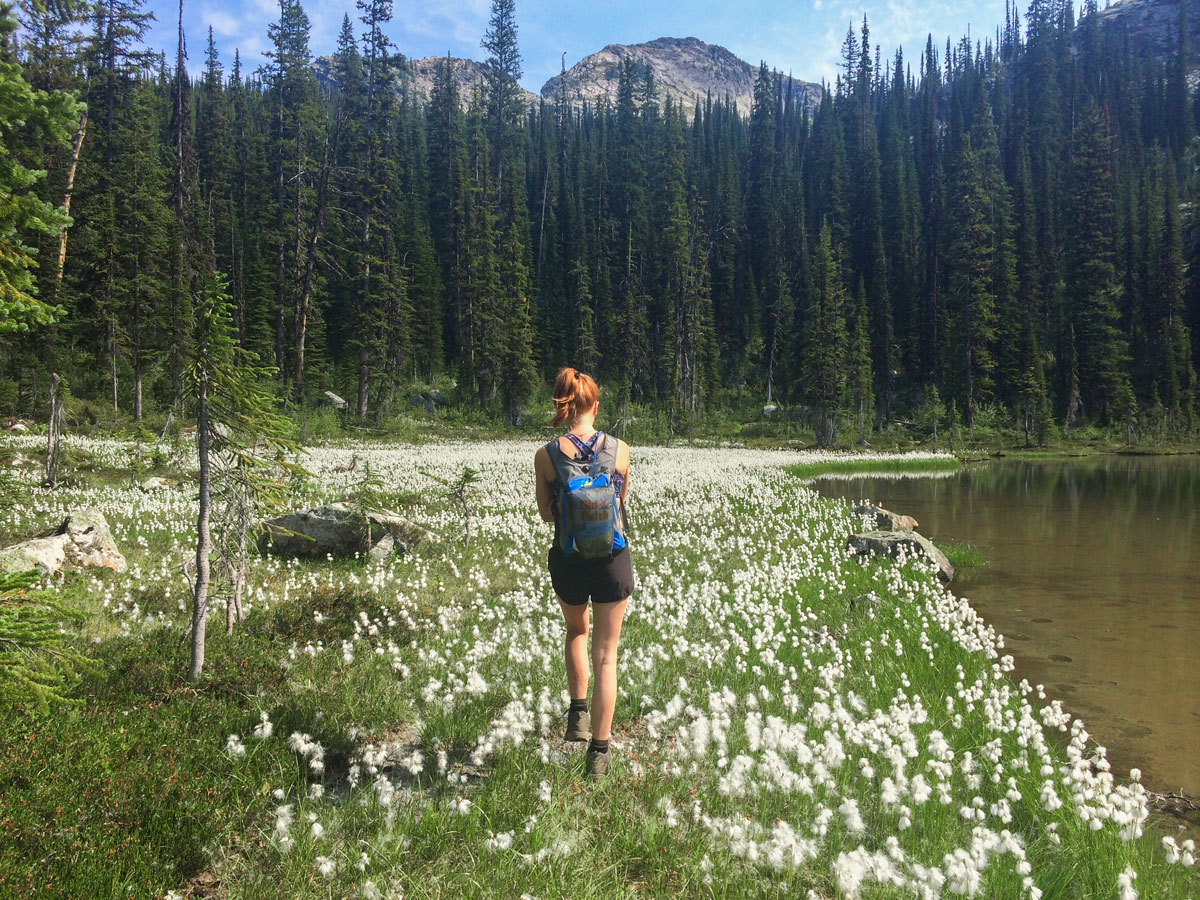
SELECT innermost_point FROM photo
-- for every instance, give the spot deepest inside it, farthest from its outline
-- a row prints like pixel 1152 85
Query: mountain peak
pixel 686 69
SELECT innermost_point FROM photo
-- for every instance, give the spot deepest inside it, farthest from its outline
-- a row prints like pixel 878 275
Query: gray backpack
pixel 588 524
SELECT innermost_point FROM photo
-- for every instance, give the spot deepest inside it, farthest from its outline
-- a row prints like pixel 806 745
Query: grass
pixel 963 555
pixel 850 465
pixel 744 594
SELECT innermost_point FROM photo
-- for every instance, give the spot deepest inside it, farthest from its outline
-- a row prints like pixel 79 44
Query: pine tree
pixel 185 241
pixel 147 225
pixel 826 351
pixel 1176 376
pixel 1093 289
pixel 22 214
pixel 859 374
pixel 501 72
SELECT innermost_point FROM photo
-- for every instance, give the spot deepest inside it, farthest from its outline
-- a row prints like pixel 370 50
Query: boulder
pixel 334 400
pixel 769 410
pixel 885 520
pixel 431 400
pixel 16 425
pixel 82 541
pixel 154 483
pixel 22 462
pixel 337 530
pixel 892 543
pixel 422 402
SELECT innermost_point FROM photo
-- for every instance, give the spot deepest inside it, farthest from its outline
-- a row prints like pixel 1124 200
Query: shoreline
pixel 1173 807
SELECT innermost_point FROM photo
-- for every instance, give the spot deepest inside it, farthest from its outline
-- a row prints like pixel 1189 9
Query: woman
pixel 607 581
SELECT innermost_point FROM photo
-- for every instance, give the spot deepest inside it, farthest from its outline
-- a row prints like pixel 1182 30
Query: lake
pixel 1092 579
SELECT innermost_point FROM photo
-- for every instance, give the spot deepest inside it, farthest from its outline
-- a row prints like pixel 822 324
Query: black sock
pixel 579 705
pixel 598 746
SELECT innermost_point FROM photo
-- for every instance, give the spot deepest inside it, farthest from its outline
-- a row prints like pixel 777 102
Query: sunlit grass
pixel 963 555
pixel 434 688
pixel 876 465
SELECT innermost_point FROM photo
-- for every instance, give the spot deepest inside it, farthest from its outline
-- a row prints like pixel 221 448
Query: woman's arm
pixel 543 473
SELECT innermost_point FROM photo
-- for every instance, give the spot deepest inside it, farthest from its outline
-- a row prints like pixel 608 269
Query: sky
pixel 802 37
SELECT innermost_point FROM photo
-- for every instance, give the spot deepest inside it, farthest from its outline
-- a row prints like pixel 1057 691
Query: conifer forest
pixel 1005 224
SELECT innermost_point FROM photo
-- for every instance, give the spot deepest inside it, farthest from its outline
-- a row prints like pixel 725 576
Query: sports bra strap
pixel 588 447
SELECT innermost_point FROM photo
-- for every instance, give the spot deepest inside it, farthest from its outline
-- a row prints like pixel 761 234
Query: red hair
pixel 574 394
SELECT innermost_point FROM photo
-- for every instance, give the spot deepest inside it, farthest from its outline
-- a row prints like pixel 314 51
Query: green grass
pixel 963 555
pixel 133 794
pixel 852 466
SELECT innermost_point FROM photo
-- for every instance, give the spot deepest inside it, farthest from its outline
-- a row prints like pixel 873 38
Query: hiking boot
pixel 597 764
pixel 579 725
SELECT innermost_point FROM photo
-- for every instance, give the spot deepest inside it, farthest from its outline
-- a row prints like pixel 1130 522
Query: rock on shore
pixel 885 520
pixel 891 543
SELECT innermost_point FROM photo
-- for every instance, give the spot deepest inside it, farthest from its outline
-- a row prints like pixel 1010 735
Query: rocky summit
pixel 1154 24
pixel 686 69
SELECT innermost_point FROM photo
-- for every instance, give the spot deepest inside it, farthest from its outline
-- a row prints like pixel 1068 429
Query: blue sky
pixel 800 36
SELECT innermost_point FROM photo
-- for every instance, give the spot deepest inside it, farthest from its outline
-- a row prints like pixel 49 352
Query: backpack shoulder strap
pixel 558 461
pixel 606 453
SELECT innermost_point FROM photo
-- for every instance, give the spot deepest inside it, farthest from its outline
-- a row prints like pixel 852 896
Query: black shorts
pixel 602 580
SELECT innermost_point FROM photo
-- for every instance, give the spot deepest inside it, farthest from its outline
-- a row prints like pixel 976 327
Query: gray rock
pixel 85 542
pixel 769 410
pixel 334 400
pixel 885 520
pixel 336 530
pixel 22 462
pixel 422 402
pixel 385 548
pixel 890 543
pixel 154 483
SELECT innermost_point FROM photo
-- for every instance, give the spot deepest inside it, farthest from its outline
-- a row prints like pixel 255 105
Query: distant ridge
pixel 419 75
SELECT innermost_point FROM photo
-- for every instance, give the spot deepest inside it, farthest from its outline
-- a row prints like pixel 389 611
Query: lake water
pixel 1094 581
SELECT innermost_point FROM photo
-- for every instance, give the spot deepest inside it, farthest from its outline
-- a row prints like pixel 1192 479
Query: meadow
pixel 792 721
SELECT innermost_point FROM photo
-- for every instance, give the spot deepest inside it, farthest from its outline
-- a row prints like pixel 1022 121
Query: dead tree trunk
pixel 54 432
pixel 76 146
pixel 204 539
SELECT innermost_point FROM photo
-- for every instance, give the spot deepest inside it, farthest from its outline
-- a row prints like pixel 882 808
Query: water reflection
pixel 1092 579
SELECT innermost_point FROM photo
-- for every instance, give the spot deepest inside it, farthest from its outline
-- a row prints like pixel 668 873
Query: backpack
pixel 588 525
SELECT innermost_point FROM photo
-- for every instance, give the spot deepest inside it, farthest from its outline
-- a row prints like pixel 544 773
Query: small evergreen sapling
pixel 37 666
pixel 243 447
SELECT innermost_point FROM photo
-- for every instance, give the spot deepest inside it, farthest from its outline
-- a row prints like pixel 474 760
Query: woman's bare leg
pixel 575 652
pixel 607 619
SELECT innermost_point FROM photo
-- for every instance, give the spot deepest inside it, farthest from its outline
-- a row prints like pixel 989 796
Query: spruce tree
pixel 1093 288
pixel 23 215
pixel 826 350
